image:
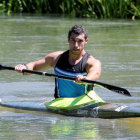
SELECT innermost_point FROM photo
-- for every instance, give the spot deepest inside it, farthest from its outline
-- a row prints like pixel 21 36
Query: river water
pixel 25 38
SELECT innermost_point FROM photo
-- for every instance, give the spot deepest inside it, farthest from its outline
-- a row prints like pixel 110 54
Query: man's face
pixel 77 43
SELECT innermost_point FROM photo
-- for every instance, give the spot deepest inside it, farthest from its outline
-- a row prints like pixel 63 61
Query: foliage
pixel 79 8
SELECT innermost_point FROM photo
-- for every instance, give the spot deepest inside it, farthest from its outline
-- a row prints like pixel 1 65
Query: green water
pixel 25 38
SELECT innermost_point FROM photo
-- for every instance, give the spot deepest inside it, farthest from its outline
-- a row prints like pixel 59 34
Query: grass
pixel 79 8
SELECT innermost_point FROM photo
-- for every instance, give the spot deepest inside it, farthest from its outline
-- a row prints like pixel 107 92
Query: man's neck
pixel 75 58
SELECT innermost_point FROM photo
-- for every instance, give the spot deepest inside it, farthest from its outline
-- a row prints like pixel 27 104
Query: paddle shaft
pixel 107 86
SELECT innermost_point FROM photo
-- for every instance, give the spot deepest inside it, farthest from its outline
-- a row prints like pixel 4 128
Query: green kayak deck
pixel 73 103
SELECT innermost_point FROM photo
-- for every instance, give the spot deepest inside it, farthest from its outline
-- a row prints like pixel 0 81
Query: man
pixel 74 62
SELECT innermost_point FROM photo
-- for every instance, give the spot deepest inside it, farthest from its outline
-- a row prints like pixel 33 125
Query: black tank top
pixel 64 64
pixel 66 68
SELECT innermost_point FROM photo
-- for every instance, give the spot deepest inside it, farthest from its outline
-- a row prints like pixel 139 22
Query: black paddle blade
pixel 1 67
pixel 4 67
pixel 116 89
pixel 120 90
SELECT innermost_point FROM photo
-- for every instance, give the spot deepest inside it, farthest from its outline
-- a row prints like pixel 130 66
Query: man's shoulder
pixel 55 56
pixel 56 53
pixel 93 60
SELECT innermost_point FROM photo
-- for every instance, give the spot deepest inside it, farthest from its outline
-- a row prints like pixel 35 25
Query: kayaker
pixel 75 62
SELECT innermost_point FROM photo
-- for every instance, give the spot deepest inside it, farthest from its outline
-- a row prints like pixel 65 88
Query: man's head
pixel 78 29
pixel 77 39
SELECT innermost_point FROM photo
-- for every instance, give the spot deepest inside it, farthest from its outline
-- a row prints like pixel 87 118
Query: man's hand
pixel 79 78
pixel 20 67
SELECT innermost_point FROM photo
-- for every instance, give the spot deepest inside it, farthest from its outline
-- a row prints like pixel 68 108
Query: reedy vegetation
pixel 79 8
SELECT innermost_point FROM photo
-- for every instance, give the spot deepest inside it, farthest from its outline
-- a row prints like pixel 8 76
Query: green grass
pixel 78 8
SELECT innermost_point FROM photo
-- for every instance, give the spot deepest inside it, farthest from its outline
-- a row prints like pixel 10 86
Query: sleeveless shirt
pixel 67 88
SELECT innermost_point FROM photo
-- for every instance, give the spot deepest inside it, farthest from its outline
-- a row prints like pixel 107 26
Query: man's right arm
pixel 48 61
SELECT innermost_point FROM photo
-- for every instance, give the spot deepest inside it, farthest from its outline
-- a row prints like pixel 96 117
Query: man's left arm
pixel 93 68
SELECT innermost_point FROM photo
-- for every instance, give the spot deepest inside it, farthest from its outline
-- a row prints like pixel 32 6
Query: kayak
pixel 87 105
pixel 91 105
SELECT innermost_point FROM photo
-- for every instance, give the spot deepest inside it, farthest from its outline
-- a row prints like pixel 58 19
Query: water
pixel 26 38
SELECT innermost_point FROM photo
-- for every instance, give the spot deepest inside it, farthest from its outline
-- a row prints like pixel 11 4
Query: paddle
pixel 107 86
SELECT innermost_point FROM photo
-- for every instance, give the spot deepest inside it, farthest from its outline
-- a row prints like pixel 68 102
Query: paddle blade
pixel 116 89
pixel 4 67
pixel 1 67
pixel 109 87
pixel 121 91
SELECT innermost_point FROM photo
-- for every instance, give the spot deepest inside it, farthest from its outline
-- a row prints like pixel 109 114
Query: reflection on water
pixel 25 38
pixel 28 125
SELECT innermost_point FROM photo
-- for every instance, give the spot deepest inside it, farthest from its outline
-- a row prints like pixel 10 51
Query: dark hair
pixel 78 29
